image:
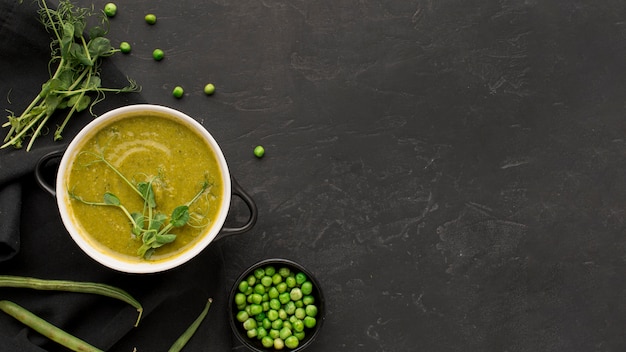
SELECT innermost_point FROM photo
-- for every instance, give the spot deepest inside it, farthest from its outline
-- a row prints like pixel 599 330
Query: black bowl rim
pixel 321 305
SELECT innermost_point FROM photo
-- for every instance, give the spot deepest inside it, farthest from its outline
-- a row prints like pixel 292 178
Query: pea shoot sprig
pixel 154 228
pixel 78 66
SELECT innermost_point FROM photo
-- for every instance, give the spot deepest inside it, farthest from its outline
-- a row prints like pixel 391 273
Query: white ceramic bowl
pixel 144 266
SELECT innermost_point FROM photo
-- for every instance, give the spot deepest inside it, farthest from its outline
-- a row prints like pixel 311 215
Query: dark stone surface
pixel 452 171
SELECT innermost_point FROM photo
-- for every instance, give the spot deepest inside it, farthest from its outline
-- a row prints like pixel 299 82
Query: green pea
pixel 259 273
pixel 125 47
pixel 300 278
pixel 240 299
pixel 298 325
pixel 255 309
pixel 266 324
pixel 266 297
pixel 284 272
pixel 284 333
pixel 251 280
pixel 291 281
pixel 307 288
pixel 299 304
pixel 277 324
pixel 259 317
pixel 282 314
pixel 279 344
pixel 273 292
pixel 265 305
pixel 309 322
pixel 259 289
pixel 110 9
pixel 287 324
pixel 252 333
pixel 267 341
pixel 256 298
pixel 275 304
pixel 292 342
pixel 270 270
pixel 284 297
pixel 242 316
pixel 276 279
pixel 308 299
pixel 272 315
pixel 281 287
pixel 266 281
pixel 243 286
pixel 249 324
pixel 178 92
pixel 150 18
pixel 259 151
pixel 273 333
pixel 290 308
pixel 209 89
pixel 311 310
pixel 158 54
pixel 299 335
pixel 295 294
pixel 300 313
pixel 261 332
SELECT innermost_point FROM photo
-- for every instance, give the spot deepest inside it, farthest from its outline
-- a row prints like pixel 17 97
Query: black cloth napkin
pixel 33 241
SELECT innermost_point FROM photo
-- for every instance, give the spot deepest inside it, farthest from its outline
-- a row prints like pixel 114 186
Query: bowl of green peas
pixel 276 304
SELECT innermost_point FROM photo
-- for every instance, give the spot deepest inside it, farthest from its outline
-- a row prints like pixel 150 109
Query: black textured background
pixel 452 171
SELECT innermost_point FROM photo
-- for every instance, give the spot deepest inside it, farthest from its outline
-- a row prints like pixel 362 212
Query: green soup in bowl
pixel 145 188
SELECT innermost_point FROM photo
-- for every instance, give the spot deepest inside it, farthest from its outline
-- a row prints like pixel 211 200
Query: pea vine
pixel 152 227
pixel 78 66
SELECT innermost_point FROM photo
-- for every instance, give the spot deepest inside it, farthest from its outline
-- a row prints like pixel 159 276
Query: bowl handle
pixel 39 171
pixel 254 212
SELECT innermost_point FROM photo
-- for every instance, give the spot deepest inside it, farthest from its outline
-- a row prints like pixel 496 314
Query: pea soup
pixel 150 148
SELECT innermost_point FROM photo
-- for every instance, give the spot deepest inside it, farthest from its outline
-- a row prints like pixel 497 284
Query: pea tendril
pixel 78 58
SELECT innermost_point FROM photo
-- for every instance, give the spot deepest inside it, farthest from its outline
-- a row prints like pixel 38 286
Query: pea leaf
pixel 96 31
pixel 180 216
pixel 111 199
pixel 76 53
pixel 79 28
pixel 99 46
pixel 157 221
pixel 52 102
pixel 67 37
pixel 83 103
pixel 165 238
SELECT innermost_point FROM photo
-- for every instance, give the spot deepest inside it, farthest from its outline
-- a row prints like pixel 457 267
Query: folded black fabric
pixel 33 241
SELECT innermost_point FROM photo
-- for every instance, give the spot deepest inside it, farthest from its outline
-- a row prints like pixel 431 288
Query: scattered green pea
pixel 125 47
pixel 178 92
pixel 259 151
pixel 209 89
pixel 150 18
pixel 158 54
pixel 110 9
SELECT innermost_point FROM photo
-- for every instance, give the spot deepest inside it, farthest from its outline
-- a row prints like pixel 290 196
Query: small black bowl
pixel 254 344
